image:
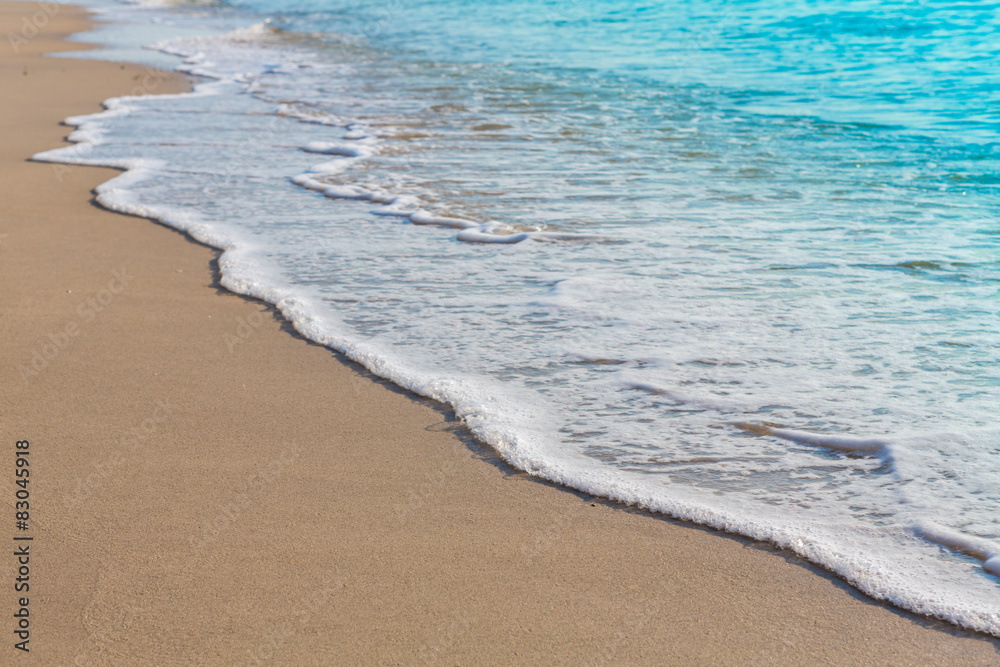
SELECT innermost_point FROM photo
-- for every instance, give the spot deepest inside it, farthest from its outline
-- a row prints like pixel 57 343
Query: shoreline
pixel 211 524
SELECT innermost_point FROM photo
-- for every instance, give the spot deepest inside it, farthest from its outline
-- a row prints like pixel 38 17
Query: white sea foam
pixel 985 550
pixel 422 217
pixel 327 148
pixel 408 206
pixel 485 234
pixel 307 116
pixel 329 168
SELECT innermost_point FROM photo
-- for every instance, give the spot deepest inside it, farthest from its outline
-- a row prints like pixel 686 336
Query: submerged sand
pixel 209 488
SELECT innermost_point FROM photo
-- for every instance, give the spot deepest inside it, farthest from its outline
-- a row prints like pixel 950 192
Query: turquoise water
pixel 735 262
pixel 913 66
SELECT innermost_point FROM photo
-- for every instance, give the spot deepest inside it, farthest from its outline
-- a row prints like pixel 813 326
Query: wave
pixel 878 558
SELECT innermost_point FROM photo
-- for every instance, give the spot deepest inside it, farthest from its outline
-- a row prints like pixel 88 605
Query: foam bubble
pixel 422 217
pixel 328 148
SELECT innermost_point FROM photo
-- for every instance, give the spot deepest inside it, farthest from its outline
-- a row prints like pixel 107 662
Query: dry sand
pixel 209 488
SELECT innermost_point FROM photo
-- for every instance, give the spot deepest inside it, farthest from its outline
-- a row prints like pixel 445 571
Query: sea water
pixel 732 262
